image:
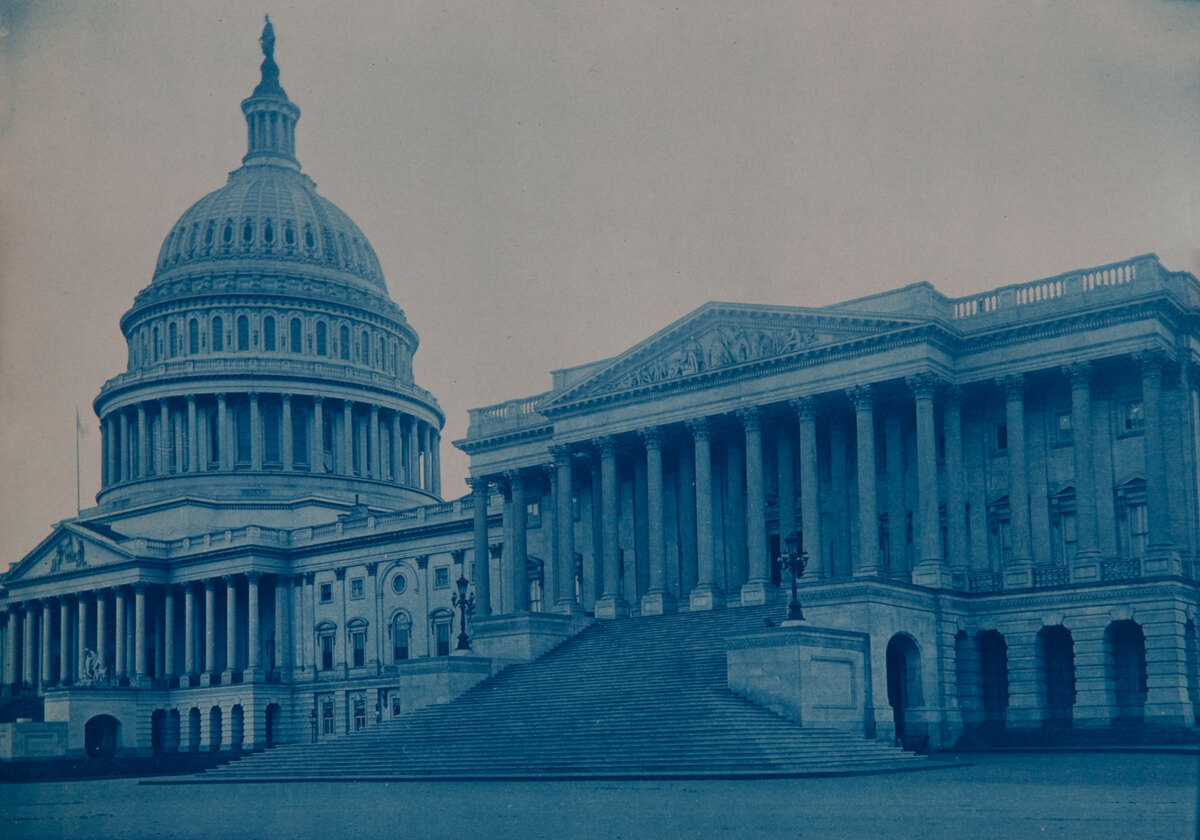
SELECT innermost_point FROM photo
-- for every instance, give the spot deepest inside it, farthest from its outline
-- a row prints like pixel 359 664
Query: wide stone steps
pixel 625 698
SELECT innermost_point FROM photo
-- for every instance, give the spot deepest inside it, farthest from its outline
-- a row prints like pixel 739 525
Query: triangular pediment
pixel 720 337
pixel 69 549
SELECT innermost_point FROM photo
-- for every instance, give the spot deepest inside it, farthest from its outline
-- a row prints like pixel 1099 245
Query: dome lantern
pixel 270 115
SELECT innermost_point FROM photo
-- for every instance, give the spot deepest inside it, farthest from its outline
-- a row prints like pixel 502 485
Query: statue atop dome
pixel 268 38
pixel 269 86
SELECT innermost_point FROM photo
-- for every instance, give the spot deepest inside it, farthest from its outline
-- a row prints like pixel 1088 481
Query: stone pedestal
pixel 520 637
pixel 1161 560
pixel 757 592
pixel 254 675
pixel 658 603
pixel 706 598
pixel 1018 577
pixel 227 676
pixel 933 574
pixel 813 676
pixel 612 606
pixel 209 678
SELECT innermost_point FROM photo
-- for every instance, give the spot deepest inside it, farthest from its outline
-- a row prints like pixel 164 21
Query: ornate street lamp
pixel 795 562
pixel 466 606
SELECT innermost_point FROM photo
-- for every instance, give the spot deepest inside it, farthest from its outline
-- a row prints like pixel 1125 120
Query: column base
pixel 869 571
pixel 757 592
pixel 933 574
pixel 188 680
pixel 209 678
pixel 141 681
pixel 227 676
pixel 254 675
pixel 612 606
pixel 570 608
pixel 658 603
pixel 706 598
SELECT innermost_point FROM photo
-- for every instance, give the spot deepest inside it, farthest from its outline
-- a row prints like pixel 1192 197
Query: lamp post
pixel 312 722
pixel 795 562
pixel 466 606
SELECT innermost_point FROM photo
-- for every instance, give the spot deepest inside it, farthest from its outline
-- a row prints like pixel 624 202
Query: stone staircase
pixel 642 697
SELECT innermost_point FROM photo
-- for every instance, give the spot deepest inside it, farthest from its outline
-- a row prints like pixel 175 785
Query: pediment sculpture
pixel 68 553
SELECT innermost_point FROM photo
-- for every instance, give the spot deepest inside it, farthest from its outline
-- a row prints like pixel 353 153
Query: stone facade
pixel 997 496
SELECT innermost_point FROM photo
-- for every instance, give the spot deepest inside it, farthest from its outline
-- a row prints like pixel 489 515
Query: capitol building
pixel 1000 493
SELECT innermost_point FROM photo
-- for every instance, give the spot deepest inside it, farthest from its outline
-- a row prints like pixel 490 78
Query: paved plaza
pixel 1088 796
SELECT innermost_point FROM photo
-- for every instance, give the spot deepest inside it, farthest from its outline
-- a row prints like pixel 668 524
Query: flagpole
pixel 78 494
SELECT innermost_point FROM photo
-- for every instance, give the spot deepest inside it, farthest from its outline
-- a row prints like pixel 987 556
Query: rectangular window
pixel 441 577
pixel 360 712
pixel 1139 529
pixel 1000 437
pixel 358 643
pixel 533 514
pixel 356 589
pixel 327 652
pixel 400 643
pixel 442 632
pixel 326 717
pixel 326 593
pixel 1063 431
pixel 1132 417
pixel 395 704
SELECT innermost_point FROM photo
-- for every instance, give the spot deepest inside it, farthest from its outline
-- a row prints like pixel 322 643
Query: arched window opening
pixel 157 344
pixel 401 627
pixel 243 333
pixel 194 729
pixel 193 337
pixel 357 630
pixel 269 333
pixel 442 621
pixel 248 231
pixel 237 730
pixel 172 340
pixel 1133 525
pixel 102 736
pixel 381 356
pixel 214 729
pixel 289 235
pixel 310 241
pixel 209 232
pixel 191 246
pixel 158 731
pixel 344 342
pixel 296 339
pixel 326 634
pixel 364 348
pixel 322 339
pixel 993 659
pixel 227 233
pixel 268 232
pixel 218 334
pixel 274 717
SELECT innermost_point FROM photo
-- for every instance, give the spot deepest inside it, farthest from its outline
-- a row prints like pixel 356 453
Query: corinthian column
pixel 810 488
pixel 1087 549
pixel 612 603
pixel 564 521
pixel 1018 482
pixel 1161 554
pixel 931 568
pixel 657 599
pixel 706 595
pixel 956 484
pixel 758 588
pixel 480 568
pixel 868 527
pixel 519 556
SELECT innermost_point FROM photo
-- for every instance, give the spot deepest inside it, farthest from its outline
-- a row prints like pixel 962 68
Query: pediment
pixel 720 337
pixel 69 549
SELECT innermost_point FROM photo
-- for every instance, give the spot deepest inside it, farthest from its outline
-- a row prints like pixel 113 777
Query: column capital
pixel 561 453
pixel 285 397
pixel 1078 373
pixel 1151 361
pixel 652 438
pixel 191 399
pixel 607 446
pixel 339 573
pixel 139 587
pixel 318 400
pixel 372 568
pixel 750 418
pixel 162 401
pixel 954 395
pixel 253 395
pixel 804 406
pixel 374 410
pixel 699 427
pixel 116 590
pixel 496 550
pixel 862 397
pixel 458 554
pixel 479 483
pixel 309 577
pixel 229 580
pixel 220 397
pixel 503 486
pixel 923 384
pixel 253 577
pixel 209 584
pixel 422 561
pixel 1013 385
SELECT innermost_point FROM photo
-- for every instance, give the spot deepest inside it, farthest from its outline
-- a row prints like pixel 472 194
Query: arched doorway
pixel 101 736
pixel 904 688
pixel 173 733
pixel 237 729
pixel 993 676
pixel 158 731
pixel 214 729
pixel 193 729
pixel 1191 652
pixel 1125 644
pixel 273 718
pixel 1056 672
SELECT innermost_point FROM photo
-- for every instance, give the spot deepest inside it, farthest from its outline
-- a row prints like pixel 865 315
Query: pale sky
pixel 548 183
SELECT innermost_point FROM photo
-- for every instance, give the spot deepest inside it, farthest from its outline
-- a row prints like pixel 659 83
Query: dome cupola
pixel 266 357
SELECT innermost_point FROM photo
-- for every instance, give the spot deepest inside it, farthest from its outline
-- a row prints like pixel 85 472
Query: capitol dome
pixel 266 359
